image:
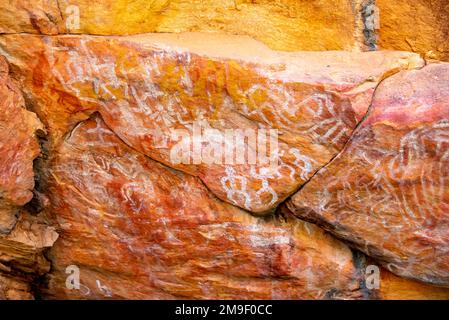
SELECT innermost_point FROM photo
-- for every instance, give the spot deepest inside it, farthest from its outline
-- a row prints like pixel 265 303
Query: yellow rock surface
pixel 281 24
pixel 415 25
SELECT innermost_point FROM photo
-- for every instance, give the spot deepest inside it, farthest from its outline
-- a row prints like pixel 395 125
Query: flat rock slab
pixel 148 86
pixel 388 191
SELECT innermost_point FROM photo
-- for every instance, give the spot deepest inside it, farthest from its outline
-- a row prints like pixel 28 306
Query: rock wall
pixel 291 25
pixel 415 25
pixel 283 25
pixel 216 150
pixel 23 235
pixel 392 201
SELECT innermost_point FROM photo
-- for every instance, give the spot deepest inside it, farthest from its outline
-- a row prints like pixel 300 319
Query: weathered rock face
pixel 282 25
pixel 393 287
pixel 411 25
pixel 22 256
pixel 18 149
pixel 162 149
pixel 23 237
pixel 147 87
pixel 138 229
pixel 37 16
pixel 388 192
pixel 415 25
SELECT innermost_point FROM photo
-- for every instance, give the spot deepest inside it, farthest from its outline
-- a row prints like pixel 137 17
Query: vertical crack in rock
pixel 367 20
pixel 360 262
pixel 60 10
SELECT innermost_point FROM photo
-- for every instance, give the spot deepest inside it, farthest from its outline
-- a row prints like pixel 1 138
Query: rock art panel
pixel 388 192
pixel 22 257
pixel 137 229
pixel 153 90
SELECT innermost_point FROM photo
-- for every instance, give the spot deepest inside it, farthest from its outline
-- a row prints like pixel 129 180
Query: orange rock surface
pixel 281 24
pixel 140 230
pixel 415 25
pixel 147 86
pixel 388 191
pixel 393 287
pixel 18 149
pixel 22 258
pixel 23 237
pixel 181 157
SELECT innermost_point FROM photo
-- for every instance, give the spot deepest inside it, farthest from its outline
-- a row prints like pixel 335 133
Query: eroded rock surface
pixel 415 25
pixel 283 25
pixel 145 87
pixel 36 16
pixel 142 221
pixel 22 258
pixel 137 229
pixel 23 237
pixel 388 192
pixel 18 149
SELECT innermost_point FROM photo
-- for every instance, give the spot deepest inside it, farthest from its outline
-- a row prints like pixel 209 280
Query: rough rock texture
pixel 139 175
pixel 22 258
pixel 415 25
pixel 314 100
pixel 282 25
pixel 411 25
pixel 388 192
pixel 23 237
pixel 138 229
pixel 18 149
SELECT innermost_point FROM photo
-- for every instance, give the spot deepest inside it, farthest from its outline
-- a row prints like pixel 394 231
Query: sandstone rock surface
pixel 145 168
pixel 415 25
pixel 140 230
pixel 388 191
pixel 23 237
pixel 22 258
pixel 393 287
pixel 147 86
pixel 283 25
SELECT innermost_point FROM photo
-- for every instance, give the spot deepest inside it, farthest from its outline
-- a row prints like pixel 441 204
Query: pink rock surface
pixel 388 191
pixel 18 149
